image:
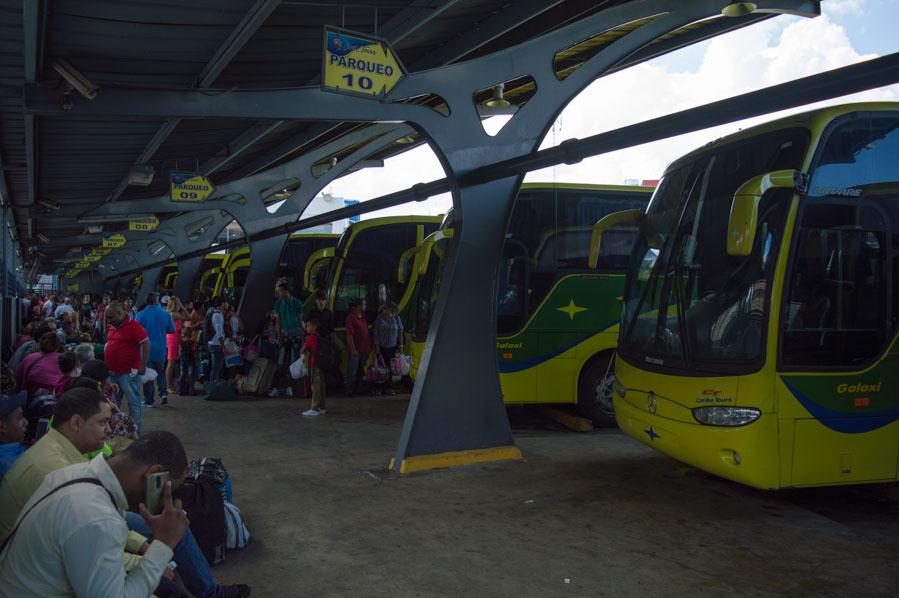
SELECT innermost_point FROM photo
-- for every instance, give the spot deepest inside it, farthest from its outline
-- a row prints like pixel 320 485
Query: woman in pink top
pixel 41 369
pixel 180 317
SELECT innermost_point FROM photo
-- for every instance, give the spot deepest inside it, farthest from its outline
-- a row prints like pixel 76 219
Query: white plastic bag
pixel 237 532
pixel 405 362
pixel 298 368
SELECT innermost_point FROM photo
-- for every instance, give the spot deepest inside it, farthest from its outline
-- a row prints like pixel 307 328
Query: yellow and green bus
pixel 761 309
pixel 364 266
pixel 557 314
pixel 168 277
pixel 299 250
pixel 212 271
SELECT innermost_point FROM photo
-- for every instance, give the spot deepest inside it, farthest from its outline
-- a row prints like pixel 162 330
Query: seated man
pixel 69 538
pixel 12 430
pixel 80 425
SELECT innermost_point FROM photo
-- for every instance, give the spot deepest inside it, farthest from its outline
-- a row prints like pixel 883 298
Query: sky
pixel 774 51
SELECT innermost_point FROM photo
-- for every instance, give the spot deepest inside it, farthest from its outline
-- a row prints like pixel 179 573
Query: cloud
pixel 768 53
pixel 839 8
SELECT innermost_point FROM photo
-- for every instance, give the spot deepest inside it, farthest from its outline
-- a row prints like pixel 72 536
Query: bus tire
pixel 595 389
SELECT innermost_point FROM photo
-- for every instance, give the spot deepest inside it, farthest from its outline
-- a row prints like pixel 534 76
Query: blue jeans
pixel 354 372
pixel 217 357
pixel 149 392
pixel 130 386
pixel 192 565
pixel 188 375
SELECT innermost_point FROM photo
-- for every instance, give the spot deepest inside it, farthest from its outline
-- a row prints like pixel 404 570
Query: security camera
pixel 76 79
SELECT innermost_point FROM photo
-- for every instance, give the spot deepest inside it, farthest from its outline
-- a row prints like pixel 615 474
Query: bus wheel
pixel 595 390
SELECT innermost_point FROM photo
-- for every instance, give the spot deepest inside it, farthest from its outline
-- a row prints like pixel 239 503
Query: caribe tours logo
pixel 342 45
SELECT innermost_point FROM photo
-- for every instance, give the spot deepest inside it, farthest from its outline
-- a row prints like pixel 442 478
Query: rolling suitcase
pixel 260 377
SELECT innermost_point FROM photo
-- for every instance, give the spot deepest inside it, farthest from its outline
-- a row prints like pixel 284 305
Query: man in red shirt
pixel 127 352
pixel 358 346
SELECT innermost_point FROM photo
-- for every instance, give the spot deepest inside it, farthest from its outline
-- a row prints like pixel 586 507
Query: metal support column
pixel 188 270
pixel 259 289
pixel 147 285
pixel 457 400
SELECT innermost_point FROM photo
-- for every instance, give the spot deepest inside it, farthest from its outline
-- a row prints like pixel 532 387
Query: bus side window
pixel 615 248
pixel 836 307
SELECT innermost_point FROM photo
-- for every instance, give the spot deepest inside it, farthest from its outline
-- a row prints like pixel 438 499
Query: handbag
pixel 251 351
pixel 377 371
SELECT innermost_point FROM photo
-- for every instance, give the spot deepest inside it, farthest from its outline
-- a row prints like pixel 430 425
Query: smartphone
pixel 43 424
pixel 155 486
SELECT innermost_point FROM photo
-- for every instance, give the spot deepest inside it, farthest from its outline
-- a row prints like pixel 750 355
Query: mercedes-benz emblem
pixel 651 403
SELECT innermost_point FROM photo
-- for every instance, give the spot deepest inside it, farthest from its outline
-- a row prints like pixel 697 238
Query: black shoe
pixel 238 590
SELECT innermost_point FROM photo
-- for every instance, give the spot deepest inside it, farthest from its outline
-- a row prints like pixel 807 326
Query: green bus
pixel 557 314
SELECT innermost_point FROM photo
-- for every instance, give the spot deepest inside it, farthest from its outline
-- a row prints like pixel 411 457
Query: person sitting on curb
pixel 68 539
pixel 80 425
pixel 12 430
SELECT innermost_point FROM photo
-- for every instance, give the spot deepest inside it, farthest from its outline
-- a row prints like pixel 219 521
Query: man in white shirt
pixel 215 336
pixel 69 540
pixel 65 308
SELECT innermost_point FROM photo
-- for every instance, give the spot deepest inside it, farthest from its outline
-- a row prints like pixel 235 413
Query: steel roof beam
pixel 31 16
pixel 406 22
pixel 851 79
pixel 409 20
pixel 248 26
pixel 512 17
pixel 238 145
pixel 514 14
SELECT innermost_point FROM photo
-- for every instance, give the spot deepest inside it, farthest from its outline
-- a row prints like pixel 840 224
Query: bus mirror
pixel 744 208
pixel 321 254
pixel 607 222
pixel 404 263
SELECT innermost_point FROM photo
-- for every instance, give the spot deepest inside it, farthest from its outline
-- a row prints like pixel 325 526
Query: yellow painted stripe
pixel 451 459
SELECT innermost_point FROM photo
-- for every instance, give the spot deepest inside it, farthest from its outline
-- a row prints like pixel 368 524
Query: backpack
pixel 237 532
pixel 39 406
pixel 329 355
pixel 208 330
pixel 205 508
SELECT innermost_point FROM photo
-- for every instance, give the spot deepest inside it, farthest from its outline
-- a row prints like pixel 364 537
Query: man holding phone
pixel 80 425
pixel 79 510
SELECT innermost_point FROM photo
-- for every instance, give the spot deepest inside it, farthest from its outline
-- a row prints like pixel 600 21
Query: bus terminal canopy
pixel 160 124
pixel 74 156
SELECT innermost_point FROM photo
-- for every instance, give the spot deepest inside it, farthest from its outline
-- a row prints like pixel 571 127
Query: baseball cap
pixel 9 403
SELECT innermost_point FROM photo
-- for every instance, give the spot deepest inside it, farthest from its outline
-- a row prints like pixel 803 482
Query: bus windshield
pixel 687 303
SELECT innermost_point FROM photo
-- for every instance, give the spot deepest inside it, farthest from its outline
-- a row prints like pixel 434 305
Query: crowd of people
pixel 82 370
pixel 73 473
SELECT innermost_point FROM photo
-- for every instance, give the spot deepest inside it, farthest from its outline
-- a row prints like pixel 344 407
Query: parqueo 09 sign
pixel 190 187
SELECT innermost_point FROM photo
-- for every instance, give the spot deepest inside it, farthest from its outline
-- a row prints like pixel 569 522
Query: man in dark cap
pixel 12 429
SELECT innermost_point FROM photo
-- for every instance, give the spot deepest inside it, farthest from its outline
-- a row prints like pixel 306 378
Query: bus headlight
pixel 620 390
pixel 726 416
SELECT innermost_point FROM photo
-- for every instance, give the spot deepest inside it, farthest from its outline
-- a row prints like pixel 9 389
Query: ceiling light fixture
pixel 498 100
pixel 48 203
pixel 140 175
pixel 76 79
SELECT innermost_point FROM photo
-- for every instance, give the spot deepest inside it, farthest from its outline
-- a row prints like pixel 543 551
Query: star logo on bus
pixel 652 434
pixel 571 309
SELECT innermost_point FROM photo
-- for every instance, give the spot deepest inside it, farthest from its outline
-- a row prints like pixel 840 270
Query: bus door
pixel 841 311
pixel 513 288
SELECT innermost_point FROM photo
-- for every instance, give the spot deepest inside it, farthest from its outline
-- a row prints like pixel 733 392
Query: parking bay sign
pixel 190 187
pixel 359 64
